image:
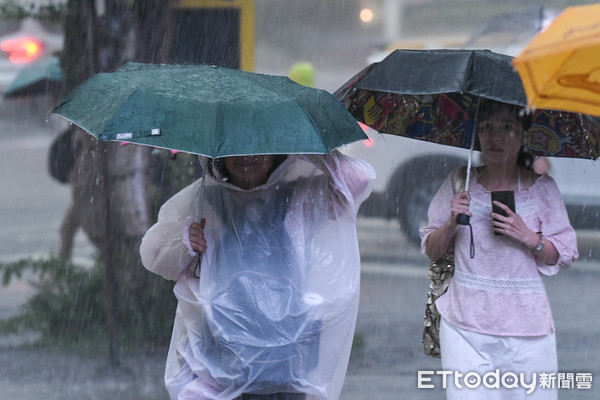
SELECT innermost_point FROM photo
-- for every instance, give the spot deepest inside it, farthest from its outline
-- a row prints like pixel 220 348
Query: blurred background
pixel 333 40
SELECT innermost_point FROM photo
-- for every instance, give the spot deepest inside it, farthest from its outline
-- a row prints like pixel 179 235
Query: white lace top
pixel 500 291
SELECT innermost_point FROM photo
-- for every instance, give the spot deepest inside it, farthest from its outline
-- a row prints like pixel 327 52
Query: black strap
pixel 472 245
pixel 197 267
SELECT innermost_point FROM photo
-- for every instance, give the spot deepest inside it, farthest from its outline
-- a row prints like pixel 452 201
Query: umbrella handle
pixel 462 219
pixel 199 263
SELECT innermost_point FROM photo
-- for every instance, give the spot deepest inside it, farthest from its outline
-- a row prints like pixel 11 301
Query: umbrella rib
pixel 315 126
pixel 70 121
pixel 305 112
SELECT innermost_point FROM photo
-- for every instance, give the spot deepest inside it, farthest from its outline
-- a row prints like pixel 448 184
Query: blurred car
pixel 23 42
pixel 409 172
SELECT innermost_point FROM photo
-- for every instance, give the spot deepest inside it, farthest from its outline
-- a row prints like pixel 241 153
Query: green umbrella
pixel 208 110
pixel 37 78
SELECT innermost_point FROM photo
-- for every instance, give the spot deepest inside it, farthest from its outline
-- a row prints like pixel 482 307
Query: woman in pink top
pixel 496 317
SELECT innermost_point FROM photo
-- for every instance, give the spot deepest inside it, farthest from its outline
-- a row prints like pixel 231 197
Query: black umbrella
pixel 433 95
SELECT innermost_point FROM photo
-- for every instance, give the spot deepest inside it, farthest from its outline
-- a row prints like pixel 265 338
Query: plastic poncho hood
pixel 275 306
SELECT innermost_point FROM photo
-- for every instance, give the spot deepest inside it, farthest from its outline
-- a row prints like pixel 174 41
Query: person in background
pixel 267 276
pixel 495 313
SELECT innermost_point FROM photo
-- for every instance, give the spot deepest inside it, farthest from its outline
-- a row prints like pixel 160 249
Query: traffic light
pixel 219 32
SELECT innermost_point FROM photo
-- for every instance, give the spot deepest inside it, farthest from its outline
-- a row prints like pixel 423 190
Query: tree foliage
pixel 69 309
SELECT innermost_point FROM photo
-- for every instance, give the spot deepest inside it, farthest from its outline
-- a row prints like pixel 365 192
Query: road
pixel 394 282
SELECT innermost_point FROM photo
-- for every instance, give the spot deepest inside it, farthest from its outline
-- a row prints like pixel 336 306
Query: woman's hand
pixel 438 242
pixel 460 204
pixel 196 233
pixel 513 226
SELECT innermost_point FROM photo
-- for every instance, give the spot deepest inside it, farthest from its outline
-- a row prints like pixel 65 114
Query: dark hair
pixel 488 107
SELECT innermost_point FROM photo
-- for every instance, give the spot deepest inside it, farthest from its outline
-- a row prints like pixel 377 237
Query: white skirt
pixel 486 367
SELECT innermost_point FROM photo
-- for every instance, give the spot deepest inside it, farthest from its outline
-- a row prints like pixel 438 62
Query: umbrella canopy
pixel 560 67
pixel 37 78
pixel 209 110
pixel 433 95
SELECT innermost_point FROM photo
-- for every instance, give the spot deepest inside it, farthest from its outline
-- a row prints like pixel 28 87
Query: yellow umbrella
pixel 560 68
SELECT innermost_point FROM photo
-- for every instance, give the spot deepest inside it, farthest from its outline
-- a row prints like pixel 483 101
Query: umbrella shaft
pixel 468 171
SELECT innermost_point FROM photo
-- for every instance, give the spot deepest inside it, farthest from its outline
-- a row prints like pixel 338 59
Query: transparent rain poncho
pixel 275 306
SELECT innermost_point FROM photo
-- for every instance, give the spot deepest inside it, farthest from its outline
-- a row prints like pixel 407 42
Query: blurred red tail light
pixel 22 50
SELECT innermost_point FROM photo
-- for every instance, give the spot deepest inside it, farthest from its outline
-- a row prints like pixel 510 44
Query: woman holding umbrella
pixel 495 313
pixel 270 312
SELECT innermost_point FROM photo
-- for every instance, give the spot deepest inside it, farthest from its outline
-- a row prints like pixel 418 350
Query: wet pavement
pixel 384 366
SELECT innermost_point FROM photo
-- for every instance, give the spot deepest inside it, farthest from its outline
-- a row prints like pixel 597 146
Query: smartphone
pixel 506 197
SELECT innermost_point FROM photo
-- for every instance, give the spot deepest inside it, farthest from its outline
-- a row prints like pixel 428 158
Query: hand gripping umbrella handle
pixel 463 219
pixel 199 263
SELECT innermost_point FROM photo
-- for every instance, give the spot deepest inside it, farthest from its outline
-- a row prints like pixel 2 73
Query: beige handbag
pixel 440 273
